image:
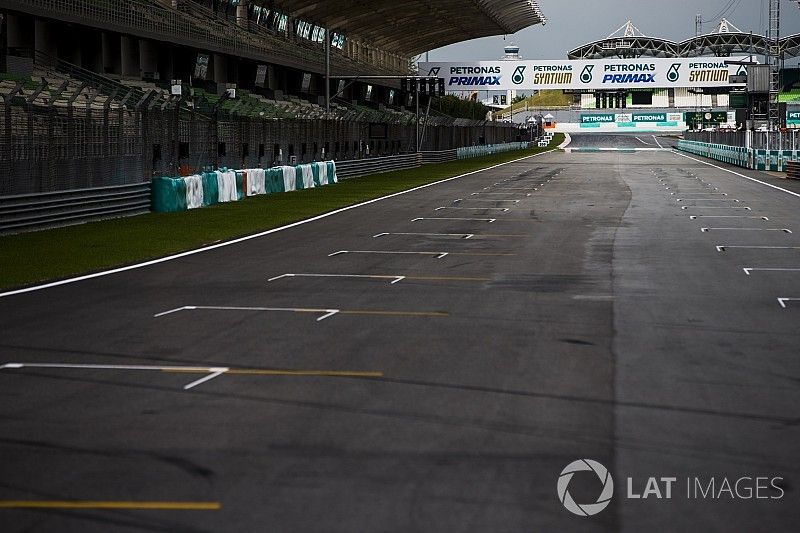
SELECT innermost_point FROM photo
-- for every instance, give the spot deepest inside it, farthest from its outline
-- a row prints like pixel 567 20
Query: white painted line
pixel 684 193
pixel 748 270
pixel 326 312
pixel 782 301
pixel 713 207
pixel 329 314
pixel 348 276
pixel 695 217
pixel 256 235
pixel 439 255
pixel 459 235
pixel 114 367
pixel 724 247
pixel 502 209
pixel 738 174
pixel 641 141
pixel 658 143
pixel 567 140
pixel 708 200
pixel 204 379
pixel 184 308
pixel 490 193
pixel 489 220
pixel 784 230
pixel 492 201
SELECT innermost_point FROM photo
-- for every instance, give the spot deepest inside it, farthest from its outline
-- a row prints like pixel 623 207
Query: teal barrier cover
pixel 210 188
pixel 168 195
pixel 315 173
pixel 240 192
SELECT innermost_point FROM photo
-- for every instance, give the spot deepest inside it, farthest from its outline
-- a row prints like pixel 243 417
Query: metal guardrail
pixel 50 209
pixel 793 170
pixel 427 158
pixel 30 211
pixel 362 167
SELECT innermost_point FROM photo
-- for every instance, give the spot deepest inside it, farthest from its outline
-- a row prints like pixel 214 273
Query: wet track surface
pixel 474 337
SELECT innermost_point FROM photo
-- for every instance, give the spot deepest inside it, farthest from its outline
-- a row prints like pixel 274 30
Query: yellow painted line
pixel 396 313
pixel 88 504
pixel 265 372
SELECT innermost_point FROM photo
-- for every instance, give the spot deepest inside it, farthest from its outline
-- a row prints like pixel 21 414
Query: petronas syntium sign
pixel 608 74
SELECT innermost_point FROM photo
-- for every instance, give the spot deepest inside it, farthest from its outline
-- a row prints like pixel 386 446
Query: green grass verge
pixel 35 257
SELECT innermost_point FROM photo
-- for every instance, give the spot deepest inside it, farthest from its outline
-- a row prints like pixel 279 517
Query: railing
pixel 362 167
pixel 759 140
pixel 29 211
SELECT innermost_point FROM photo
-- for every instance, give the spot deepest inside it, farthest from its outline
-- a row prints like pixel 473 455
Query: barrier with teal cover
pixel 168 195
pixel 224 185
pixel 772 160
pixel 488 149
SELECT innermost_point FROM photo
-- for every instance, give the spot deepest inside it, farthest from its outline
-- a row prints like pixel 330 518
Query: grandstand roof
pixel 411 27
pixel 724 41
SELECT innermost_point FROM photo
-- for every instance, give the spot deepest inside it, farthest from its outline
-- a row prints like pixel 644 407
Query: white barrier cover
pixel 255 181
pixel 227 186
pixel 288 178
pixel 194 191
pixel 323 172
pixel 332 179
pixel 308 176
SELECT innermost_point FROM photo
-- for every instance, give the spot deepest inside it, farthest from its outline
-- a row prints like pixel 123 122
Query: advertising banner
pixel 649 117
pixel 600 74
pixel 598 118
pixel 793 117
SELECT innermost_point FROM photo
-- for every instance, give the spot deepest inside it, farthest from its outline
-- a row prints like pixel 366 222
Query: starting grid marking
pixel 725 247
pixel 784 230
pixel 211 372
pixel 394 278
pixel 693 194
pixel 437 255
pixel 501 209
pixel 749 270
pixel 695 217
pixel 459 235
pixel 325 313
pixel 489 220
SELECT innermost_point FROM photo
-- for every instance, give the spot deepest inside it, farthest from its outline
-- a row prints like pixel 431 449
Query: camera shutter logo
pixel 585 509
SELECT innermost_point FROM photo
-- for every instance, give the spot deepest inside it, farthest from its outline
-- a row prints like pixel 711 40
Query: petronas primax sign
pixel 600 74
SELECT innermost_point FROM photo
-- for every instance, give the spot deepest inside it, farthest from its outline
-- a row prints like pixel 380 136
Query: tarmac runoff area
pixel 428 362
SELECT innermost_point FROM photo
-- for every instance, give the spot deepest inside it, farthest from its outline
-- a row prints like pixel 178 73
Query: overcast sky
pixel 572 23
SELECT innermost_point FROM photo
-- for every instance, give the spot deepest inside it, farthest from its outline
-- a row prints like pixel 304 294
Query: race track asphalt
pixel 592 319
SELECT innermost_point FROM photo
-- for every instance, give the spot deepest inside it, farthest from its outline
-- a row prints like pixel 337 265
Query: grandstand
pixel 104 92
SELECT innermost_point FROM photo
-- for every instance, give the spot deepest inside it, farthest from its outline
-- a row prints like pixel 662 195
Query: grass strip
pixel 40 256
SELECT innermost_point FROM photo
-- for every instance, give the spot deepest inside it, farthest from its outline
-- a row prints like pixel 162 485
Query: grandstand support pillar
pixel 327 71
pixel 241 14
pixel 129 54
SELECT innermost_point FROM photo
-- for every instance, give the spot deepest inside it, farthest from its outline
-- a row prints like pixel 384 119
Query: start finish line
pixel 610 74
